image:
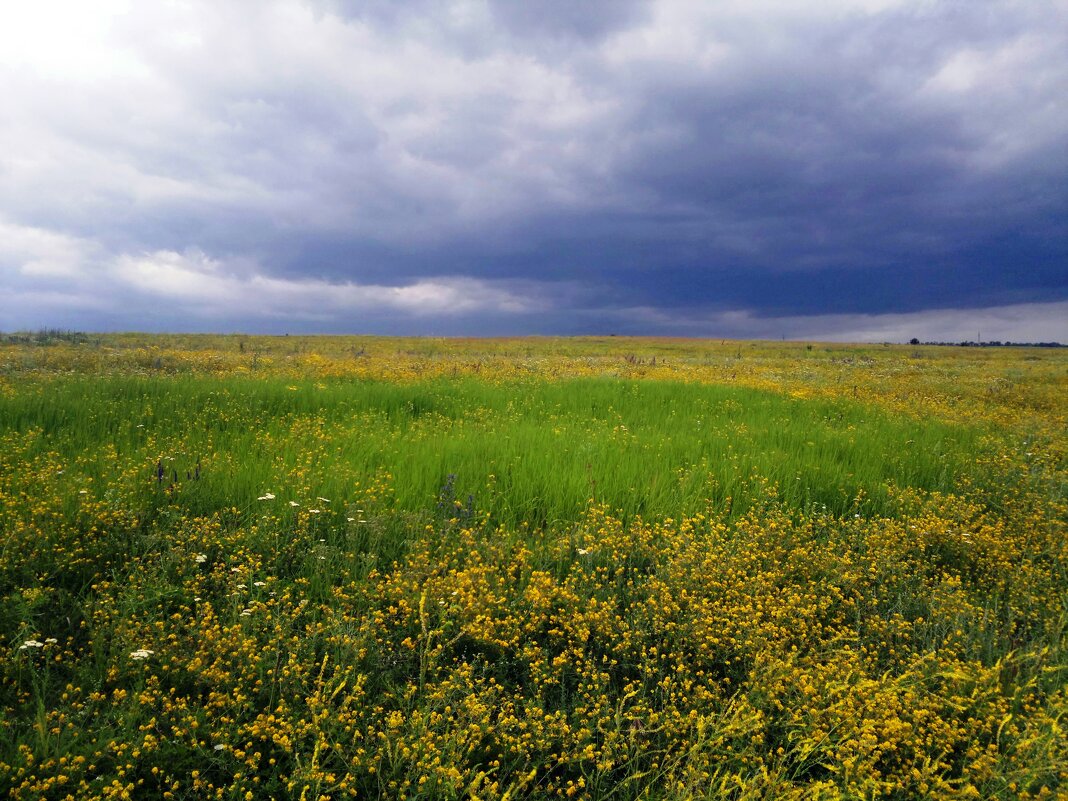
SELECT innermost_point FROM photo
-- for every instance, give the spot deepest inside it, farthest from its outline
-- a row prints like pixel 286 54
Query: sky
pixel 850 170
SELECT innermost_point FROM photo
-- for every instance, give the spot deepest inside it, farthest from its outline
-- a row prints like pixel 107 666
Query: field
pixel 325 567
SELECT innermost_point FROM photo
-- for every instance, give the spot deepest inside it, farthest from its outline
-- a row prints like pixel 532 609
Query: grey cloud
pixel 770 160
pixel 589 21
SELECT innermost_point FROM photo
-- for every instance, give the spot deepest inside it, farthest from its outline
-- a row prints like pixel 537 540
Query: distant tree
pixel 914 341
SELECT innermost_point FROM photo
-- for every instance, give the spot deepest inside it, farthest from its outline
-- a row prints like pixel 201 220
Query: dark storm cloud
pixel 819 155
pixel 496 167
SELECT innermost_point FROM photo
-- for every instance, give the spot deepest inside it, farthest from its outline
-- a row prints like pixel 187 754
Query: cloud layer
pixel 841 169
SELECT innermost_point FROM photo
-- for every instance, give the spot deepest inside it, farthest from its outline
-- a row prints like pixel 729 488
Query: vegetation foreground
pixel 323 568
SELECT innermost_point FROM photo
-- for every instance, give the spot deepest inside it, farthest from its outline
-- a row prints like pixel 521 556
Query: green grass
pixel 532 452
pixel 803 624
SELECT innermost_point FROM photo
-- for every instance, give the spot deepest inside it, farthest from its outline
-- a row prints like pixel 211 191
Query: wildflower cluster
pixel 306 620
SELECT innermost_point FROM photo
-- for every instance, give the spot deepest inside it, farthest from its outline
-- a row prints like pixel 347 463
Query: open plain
pixel 331 567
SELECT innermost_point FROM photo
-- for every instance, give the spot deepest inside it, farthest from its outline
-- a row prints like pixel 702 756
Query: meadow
pixel 352 567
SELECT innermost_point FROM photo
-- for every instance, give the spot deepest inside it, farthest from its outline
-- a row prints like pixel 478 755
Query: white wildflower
pixel 141 653
pixel 31 644
pixel 200 558
pixel 267 496
pixel 259 584
pixel 294 503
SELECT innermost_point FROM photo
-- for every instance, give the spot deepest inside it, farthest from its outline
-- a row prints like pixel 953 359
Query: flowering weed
pixel 531 569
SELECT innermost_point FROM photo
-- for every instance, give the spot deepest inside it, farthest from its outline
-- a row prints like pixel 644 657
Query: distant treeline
pixel 45 336
pixel 995 343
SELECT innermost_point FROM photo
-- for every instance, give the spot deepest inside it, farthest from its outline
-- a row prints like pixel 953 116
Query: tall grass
pixel 297 568
pixel 530 453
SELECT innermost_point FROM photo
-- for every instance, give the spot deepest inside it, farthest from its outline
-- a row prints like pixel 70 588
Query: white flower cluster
pixel 37 643
pixel 141 653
